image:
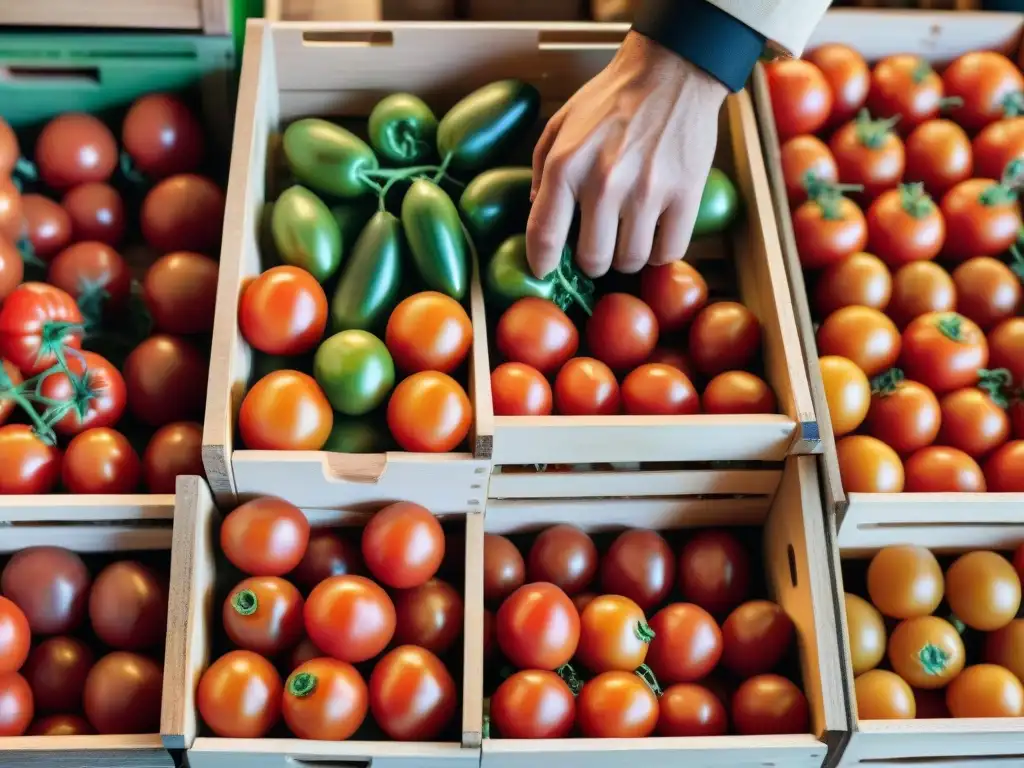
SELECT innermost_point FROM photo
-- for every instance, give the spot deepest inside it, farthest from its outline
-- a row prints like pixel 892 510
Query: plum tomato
pixel 936 469
pixel 999 144
pixel 867 465
pixel 16 705
pixel 75 148
pixel 12 267
pixel 174 449
pixel 183 213
pixel 919 288
pixel 93 274
pixel 166 381
pixel 162 136
pixel 403 545
pixel 100 460
pixel 265 537
pixel 905 581
pixel 412 694
pixel 905 87
pixel 97 213
pixel 769 704
pixel 865 633
pixel 847 393
pixel 807 163
pixel 939 156
pixel 926 651
pixel 51 585
pixel 97 399
pixel 863 335
pixel 973 422
pixel 622 331
pixel 263 614
pixel 714 571
pixel 848 76
pixel 987 291
pixel 639 565
pixel 239 696
pixel 982 219
pixel 47 225
pixel 687 709
pixel 983 590
pixel 1005 647
pixel 870 153
pixel 325 699
pixel 14 636
pixel 327 554
pixel 538 627
pixel 985 690
pixel 987 84
pixel 687 644
pixel 1004 468
pixel 1006 348
pixel 350 618
pixel 586 387
pixel 180 291
pixel 565 556
pixel 725 336
pixel 905 225
pixel 128 606
pixel 536 332
pixel 285 411
pixel 122 694
pixel 56 671
pixel 944 351
pixel 26 313
pixel 861 279
pixel 504 568
pixel 519 390
pixel 429 331
pixel 429 616
pixel 905 415
pixel 674 292
pixel 827 228
pixel 30 465
pixel 429 412
pixel 614 635
pixel 738 392
pixel 884 695
pixel 801 96
pixel 617 705
pixel 60 725
pixel 755 638
pixel 533 704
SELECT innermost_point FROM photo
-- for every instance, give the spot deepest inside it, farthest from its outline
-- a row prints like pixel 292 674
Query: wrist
pixel 665 66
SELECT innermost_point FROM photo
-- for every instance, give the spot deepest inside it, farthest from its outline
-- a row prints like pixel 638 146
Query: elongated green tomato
pixel 403 129
pixel 369 285
pixel 355 371
pixel 496 203
pixel 328 158
pixel 482 127
pixel 358 435
pixel 436 239
pixel 719 205
pixel 305 233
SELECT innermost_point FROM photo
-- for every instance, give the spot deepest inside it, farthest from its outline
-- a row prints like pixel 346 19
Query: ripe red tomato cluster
pixel 574 622
pixel 357 627
pixel 80 653
pixel 66 285
pixel 642 355
pixel 916 278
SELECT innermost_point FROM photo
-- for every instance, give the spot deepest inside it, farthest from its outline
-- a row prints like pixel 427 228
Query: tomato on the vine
pixel 988 86
pixel 801 96
pixel 36 319
pixel 166 381
pixel 617 705
pixel 265 537
pixel 937 469
pixel 847 75
pixel 867 465
pixel 918 288
pixel 533 704
pixel 863 335
pixel 994 148
pixel 180 290
pixel 861 279
pixel 586 387
pixel 905 86
pixel 75 148
pixel 905 225
pixel 807 163
pixel 101 460
pixel 96 399
pixel 982 219
pixel 94 274
pixel 412 694
pixel 939 155
pixel 987 291
pixel 97 213
pixel 519 390
pixel 905 415
pixel 162 136
pixel 944 351
pixel 239 696
pixel 1004 469
pixel 30 465
pixel 868 152
pixel 827 229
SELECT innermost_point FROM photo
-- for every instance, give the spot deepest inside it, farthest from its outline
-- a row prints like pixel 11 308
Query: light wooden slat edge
pixel 216 16
pixel 473 634
pixel 480 369
pixel 86 508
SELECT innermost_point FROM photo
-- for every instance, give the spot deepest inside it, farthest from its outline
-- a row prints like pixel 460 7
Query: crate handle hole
pixel 303 763
pixel 81 75
pixel 791 556
pixel 367 39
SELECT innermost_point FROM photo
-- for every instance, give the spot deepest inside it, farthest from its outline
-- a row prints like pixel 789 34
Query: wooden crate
pixel 924 5
pixel 191 612
pixel 524 10
pixel 939 37
pixel 211 17
pixel 797 577
pixel 92 528
pixel 359 10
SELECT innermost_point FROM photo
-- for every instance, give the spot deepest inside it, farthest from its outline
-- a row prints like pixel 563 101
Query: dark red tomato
pixel 26 312
pixel 807 162
pixel 687 644
pixel 60 725
pixel 56 671
pixel 654 390
pixel 944 351
pixel 769 704
pixel 674 292
pixel 97 213
pixel 264 614
pixel 239 696
pixel 9 149
pixel 973 422
pixel 863 335
pixel 14 636
pixel 265 537
pixel 305 651
pixel 982 219
pixel 987 291
pixel 183 213
pixel 687 709
pixel 617 705
pixel 905 225
pixel 180 290
pixel 673 357
pixel 162 136
pixel 714 571
pixel 51 586
pixel 327 554
pixel 96 400
pixel 586 387
pixel 918 288
pixel 847 75
pixel 429 616
pixel 639 565
pixel 12 267
pixel 166 381
pixel 994 148
pixel 128 606
pixel 16 708
pixel 938 155
pixel 519 390
pixel 1018 560
pixel 74 148
pixel 905 86
pixel 429 412
pixel 13 379
pixel 47 225
pixel 725 336
pixel 937 469
pixel 613 635
pixel 755 638
pixel 861 279
pixel 428 331
pixel 92 273
pixel 868 152
pixel 504 568
pixel 536 332
pixel 801 96
pixel 325 699
pixel 1006 347
pixel 412 694
pixel 538 627
pixel 30 465
pixel 174 449
pixel 534 704
pixel 622 332
pixel 403 545
pixel 122 694
pixel 12 219
pixel 987 83
pixel 738 392
pixel 564 556
pixel 101 460
pixel 350 617
pixel 904 415
pixel 1004 469
pixel 828 229
pixel 283 311
pixel 285 411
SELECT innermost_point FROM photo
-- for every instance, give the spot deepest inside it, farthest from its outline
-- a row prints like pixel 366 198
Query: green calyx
pixel 646 674
pixel 1005 192
pixel 302 684
pixel 915 201
pixel 874 133
pixel 571 285
pixel 998 383
pixel 933 659
pixel 1017 260
pixel 643 632
pixel 245 602
pixel 569 676
pixel 951 325
pixel 829 199
pixel 1013 104
pixel 887 383
pixel 921 71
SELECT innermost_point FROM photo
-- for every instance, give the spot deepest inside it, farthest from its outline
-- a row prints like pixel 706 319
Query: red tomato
pixel 987 291
pixel 265 536
pixel 944 351
pixel 162 136
pixel 564 556
pixel 937 469
pixel 12 219
pixel 687 644
pixel 622 332
pixel 412 694
pixel 504 568
pixel 755 638
pixel 725 336
pixel 96 399
pixel 801 96
pixel 16 706
pixel 429 331
pixel 101 460
pixel 673 357
pixel 738 392
pixel 9 377
pixel 860 279
pixel 9 150
pixel 30 465
pixel 350 617
pixel 27 312
pixel 654 390
pixel 982 219
pixel 12 267
pixel 166 381
pixel 586 387
pixel 863 335
pixel 183 213
pixel 847 75
pixel 769 704
pixel 617 705
pixel 429 412
pixel 51 585
pixel 92 273
pixel 239 696
pixel 987 83
pixel 60 725
pixel 536 332
pixel 674 292
pixel 807 162
pixel 639 565
pixel 519 390
pixel 96 212
pixel 174 449
pixel 687 709
pixel 128 606
pixel 938 155
pixel 904 225
pixel 285 411
pixel 75 148
pixel 325 699
pixel 868 152
pixel 122 694
pixel 15 636
pixel 994 148
pixel 918 288
pixel 264 614
pixel 905 415
pixel 303 652
pixel 905 86
pixel 827 229
pixel 535 704
pixel 180 290
pixel 327 554
pixel 714 571
pixel 429 616
pixel 1006 347
pixel 403 545
pixel 1004 469
pixel 538 627
pixel 47 225
pixel 613 635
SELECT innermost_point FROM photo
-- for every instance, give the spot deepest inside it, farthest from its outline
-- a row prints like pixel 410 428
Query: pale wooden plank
pixel 216 16
pixel 480 371
pixel 473 635
pixel 280 753
pixel 570 484
pixel 127 751
pixel 85 538
pixel 149 14
pixel 86 508
pixel 941 740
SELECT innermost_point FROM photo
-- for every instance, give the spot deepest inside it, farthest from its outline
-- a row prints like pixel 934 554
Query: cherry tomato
pixel 847 393
pixel 9 376
pixel 100 399
pixel 905 86
pixel 429 412
pixel 538 627
pixel 350 617
pixel 26 312
pixel 622 332
pixel 92 273
pixel 617 705
pixel 285 411
pixel 687 644
pixel 56 671
pixel 564 556
pixel 97 213
pixel 128 606
pixel 938 155
pixel 403 545
pixel 865 633
pixel 904 225
pixel 1004 469
pixel 884 695
pixel 429 331
pixel 1005 647
pixel 995 148
pixel 861 279
pixel 9 149
pixel 926 651
pixel 972 422
pixel 827 229
pixel 327 554
pixel 905 415
pixel 16 706
pixel 863 335
pixel 714 571
pixel 60 725
pixel 983 590
pixel 867 465
pixel 847 75
pixel 801 96
pixel 982 219
pixel 918 288
pixel 265 537
pixel 987 291
pixel 174 449
pixel 162 136
pixel 429 616
pixel 14 636
pixel 12 218
pixel 412 694
pixel 769 704
pixel 101 460
pixel 325 699
pixel 674 358
pixel 12 267
pixel 1006 346
pixel 504 568
pixel 724 336
pixel 534 704
pixel 639 565
pixel 674 292
pixel 303 652
pixel 180 290
pixel 868 152
pixel 944 351
pixel 755 638
pixel 986 83
pixel 586 387
pixel 239 696
pixel 166 381
pixel 183 213
pixel 687 709
pixel 30 465
pixel 657 389
pixel 936 469
pixel 47 225
pixel 264 614
pixel 536 332
pixel 738 392
pixel 519 390
pixel 122 694
pixel 807 163
pixel 985 690
pixel 905 581
pixel 51 586
pixel 614 635
pixel 75 148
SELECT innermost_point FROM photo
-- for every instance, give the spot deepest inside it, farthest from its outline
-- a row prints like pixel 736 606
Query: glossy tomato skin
pixel 972 422
pixel 848 77
pixel 939 155
pixel 519 390
pixel 263 614
pixel 429 412
pixel 97 213
pixel 769 704
pixel 904 225
pixel 75 148
pixel 877 164
pixel 504 568
pixel 688 709
pixel 1004 469
pixel 826 233
pixel 639 565
pixel 91 272
pixel 128 606
pixel 26 310
pixel 985 690
pixel 403 545
pixel 275 413
pixel 674 357
pixel 163 136
pixel 687 644
pixel 101 460
pixel 350 618
pixel 586 387
pixel 905 581
pixel 106 403
pixel 183 213
pixel 654 389
pixel 60 725
pixel 16 707
pixel 565 556
pixel 429 331
pixel 865 632
pixel 906 418
pixel 867 465
pixel 327 554
pixel 180 290
pixel 12 267
pixel 47 225
pixel 1005 647
pixel 538 627
pixel 174 449
pixel 51 586
pixel 801 96
pixel 862 279
pixel 533 704
pixel 122 694
pixel 56 671
pixel 983 590
pixel 239 696
pixel 987 291
pixel 9 149
pixel 166 380
pixel 1006 347
pixel 429 616
pixel 412 694
pixel 906 86
pixel 847 393
pixel 13 378
pixel 325 699
pixel 738 392
pixel 982 80
pixel 536 332
pixel 755 638
pixel 725 336
pixel 944 351
pixel 995 147
pixel 714 571
pixel 939 469
pixel 975 226
pixel 265 537
pixel 863 335
pixel 884 695
pixel 805 160
pixel 674 292
pixel 910 660
pixel 622 331
pixel 918 288
pixel 30 465
pixel 613 635
pixel 14 636
pixel 617 705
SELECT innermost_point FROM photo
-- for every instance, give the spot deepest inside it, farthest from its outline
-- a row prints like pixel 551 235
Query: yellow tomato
pixel 866 630
pixel 884 695
pixel 847 392
pixel 905 581
pixel 926 651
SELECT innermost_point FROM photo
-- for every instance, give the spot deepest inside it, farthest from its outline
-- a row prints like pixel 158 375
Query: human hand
pixel 633 147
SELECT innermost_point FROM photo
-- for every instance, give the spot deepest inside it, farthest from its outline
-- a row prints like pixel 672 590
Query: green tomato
pixel 328 158
pixel 403 129
pixel 305 233
pixel 436 239
pixel 509 278
pixel 719 205
pixel 358 435
pixel 355 371
pixel 482 127
pixel 369 285
pixel 497 203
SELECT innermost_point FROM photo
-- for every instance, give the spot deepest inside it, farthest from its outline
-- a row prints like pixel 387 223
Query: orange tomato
pixel 738 392
pixel 848 76
pixel 283 311
pixel 985 690
pixel 905 86
pixel 884 695
pixel 938 469
pixel 982 219
pixel 654 390
pixel 519 390
pixel 847 393
pixel 429 412
pixel 868 152
pixel 926 651
pixel 863 335
pixel 905 581
pixel 905 225
pixel 983 590
pixel 801 96
pixel 867 465
pixel 806 161
pixel 827 229
pixel 429 331
pixel 973 422
pixel 1005 647
pixel 861 279
pixel 938 155
pixel 984 81
pixel 987 291
pixel 905 415
pixel 918 288
pixel 285 411
pixel 586 387
pixel 1004 469
pixel 866 634
pixel 944 351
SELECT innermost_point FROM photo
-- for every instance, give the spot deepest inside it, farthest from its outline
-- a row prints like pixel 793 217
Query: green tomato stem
pixel 25 169
pixel 921 71
pixel 887 383
pixel 302 684
pixel 951 325
pixel 569 277
pixel 1013 104
pixel 646 674
pixel 245 602
pixel 933 659
pixel 573 680
pixel 873 133
pixel 997 383
pixel 443 169
pixel 915 201
pixel 643 632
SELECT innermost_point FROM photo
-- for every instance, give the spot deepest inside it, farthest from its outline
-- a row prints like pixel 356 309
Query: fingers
pixel 636 237
pixel 674 230
pixel 599 227
pixel 543 148
pixel 550 220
